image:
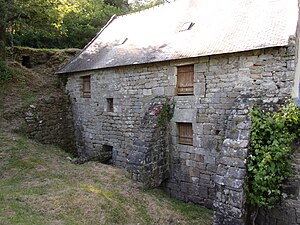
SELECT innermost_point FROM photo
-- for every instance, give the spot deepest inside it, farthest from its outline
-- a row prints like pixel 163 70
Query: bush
pixel 269 162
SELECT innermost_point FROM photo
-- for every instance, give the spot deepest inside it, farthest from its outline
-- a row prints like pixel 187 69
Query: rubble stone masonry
pixel 210 171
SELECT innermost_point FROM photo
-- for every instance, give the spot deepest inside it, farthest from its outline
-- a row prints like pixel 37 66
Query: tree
pixel 54 23
pixel 65 23
pixel 8 12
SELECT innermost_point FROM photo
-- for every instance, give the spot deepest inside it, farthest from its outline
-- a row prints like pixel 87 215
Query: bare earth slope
pixel 30 84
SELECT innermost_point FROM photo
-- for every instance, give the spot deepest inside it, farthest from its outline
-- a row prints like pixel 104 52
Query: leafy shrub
pixel 5 72
pixel 269 163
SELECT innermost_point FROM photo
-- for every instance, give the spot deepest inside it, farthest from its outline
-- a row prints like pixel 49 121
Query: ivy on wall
pixel 269 162
pixel 166 114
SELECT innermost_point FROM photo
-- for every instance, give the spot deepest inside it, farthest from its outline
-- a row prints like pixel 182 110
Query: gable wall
pixel 219 80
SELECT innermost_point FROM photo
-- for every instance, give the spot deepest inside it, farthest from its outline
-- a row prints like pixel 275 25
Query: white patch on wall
pixel 296 88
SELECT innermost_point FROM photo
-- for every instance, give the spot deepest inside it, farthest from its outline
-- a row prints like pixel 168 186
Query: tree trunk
pixel 2 43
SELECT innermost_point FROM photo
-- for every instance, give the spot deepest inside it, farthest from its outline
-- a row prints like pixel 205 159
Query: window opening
pixel 110 104
pixel 86 86
pixel 185 133
pixel 185 80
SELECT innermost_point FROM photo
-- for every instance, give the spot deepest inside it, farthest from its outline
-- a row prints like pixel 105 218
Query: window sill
pixel 188 144
pixel 184 94
pixel 110 113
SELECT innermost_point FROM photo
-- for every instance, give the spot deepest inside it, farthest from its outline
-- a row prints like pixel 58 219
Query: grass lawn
pixel 38 185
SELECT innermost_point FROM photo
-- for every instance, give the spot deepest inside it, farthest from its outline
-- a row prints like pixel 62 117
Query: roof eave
pixel 170 59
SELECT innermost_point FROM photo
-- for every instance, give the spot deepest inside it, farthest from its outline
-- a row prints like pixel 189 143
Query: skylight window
pixel 186 26
pixel 122 41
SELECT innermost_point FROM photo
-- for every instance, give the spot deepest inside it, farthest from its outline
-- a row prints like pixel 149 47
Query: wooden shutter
pixel 185 80
pixel 86 87
pixel 185 133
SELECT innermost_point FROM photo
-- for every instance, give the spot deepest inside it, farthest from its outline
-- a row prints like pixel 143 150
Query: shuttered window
pixel 185 133
pixel 185 80
pixel 86 86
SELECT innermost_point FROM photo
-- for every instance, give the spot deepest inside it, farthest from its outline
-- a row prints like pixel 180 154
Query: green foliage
pixel 195 213
pixel 166 114
pixel 269 160
pixel 57 23
pixel 5 73
pixel 138 6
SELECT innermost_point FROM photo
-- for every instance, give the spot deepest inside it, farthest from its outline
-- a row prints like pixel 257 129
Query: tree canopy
pixel 54 23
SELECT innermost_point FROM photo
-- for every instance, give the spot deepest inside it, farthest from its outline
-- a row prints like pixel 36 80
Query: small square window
pixel 185 80
pixel 110 104
pixel 185 133
pixel 86 86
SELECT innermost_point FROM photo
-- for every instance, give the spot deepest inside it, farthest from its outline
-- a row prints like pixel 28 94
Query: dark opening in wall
pixel 106 154
pixel 26 61
pixel 110 104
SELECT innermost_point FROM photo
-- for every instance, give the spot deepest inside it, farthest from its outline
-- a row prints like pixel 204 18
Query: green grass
pixel 40 186
pixel 194 213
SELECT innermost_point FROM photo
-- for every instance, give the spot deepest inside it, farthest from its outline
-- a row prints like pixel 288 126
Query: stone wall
pixel 49 121
pixel 40 59
pixel 230 207
pixel 36 103
pixel 148 160
pixel 132 89
pixel 262 74
pixel 219 80
pixel 229 204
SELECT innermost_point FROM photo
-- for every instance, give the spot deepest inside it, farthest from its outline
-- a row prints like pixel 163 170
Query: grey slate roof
pixel 218 26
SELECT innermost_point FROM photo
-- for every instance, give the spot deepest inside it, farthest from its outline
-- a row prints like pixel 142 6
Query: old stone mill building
pixel 210 60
